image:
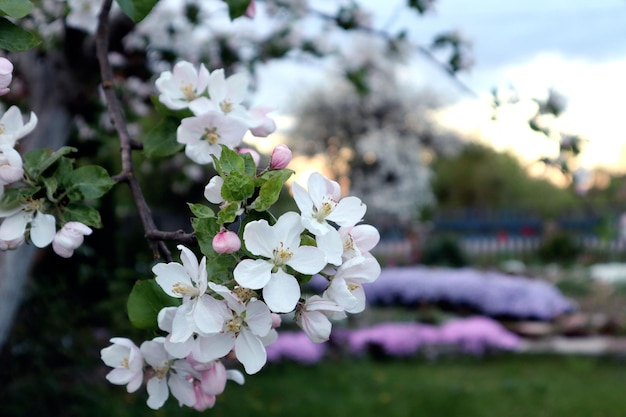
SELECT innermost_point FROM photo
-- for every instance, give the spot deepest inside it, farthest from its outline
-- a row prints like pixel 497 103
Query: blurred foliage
pixel 444 251
pixel 560 247
pixel 479 176
pixel 575 287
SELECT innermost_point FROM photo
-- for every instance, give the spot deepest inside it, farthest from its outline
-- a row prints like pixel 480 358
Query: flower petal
pixel 250 351
pixel 258 317
pixel 332 246
pixel 42 229
pixel 253 273
pixel 214 346
pixel 157 392
pixel 260 239
pixel 282 292
pixel 170 274
pixel 209 314
pixel 309 259
pixel 348 212
pixel 14 226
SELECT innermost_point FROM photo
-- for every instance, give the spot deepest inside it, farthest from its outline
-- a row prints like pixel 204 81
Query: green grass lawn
pixel 501 386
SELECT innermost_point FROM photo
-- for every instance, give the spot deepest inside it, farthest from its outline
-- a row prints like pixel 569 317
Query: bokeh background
pixel 486 139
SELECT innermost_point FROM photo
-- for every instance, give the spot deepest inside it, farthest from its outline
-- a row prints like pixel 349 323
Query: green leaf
pixel 13 197
pixel 16 8
pixel 422 6
pixel 201 211
pixel 270 189
pixel 249 165
pixel 161 141
pixel 237 187
pixel 92 181
pixel 51 185
pixel 14 38
pixel 89 216
pixel 219 268
pixel 137 10
pixel 228 213
pixel 231 161
pixel 237 8
pixel 63 173
pixel 38 160
pixel 145 301
pixel 205 229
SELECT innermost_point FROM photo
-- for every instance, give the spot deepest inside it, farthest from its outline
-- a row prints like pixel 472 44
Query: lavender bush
pixel 473 335
pixel 487 292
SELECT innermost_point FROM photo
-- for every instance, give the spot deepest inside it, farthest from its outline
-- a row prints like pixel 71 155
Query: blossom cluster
pixel 472 335
pixel 227 304
pixel 24 209
pixel 487 292
pixel 217 103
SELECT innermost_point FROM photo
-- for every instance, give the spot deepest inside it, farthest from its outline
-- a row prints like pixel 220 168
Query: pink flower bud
pixel 6 75
pixel 255 155
pixel 281 156
pixel 251 10
pixel 70 237
pixel 226 242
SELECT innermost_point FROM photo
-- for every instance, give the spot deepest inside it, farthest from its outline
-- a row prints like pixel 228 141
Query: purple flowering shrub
pixel 473 335
pixel 488 293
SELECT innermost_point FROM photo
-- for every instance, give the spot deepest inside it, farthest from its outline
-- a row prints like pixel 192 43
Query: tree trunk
pixel 47 79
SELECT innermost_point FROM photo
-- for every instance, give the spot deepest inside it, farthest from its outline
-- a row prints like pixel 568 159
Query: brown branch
pixel 179 236
pixel 127 144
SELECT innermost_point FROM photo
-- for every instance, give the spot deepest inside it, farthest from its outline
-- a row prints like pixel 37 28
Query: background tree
pixel 481 177
pixel 380 144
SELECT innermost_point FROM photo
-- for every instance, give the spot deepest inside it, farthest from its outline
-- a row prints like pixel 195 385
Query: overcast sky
pixel 576 47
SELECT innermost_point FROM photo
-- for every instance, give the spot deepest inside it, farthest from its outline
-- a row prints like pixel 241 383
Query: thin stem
pixel 127 144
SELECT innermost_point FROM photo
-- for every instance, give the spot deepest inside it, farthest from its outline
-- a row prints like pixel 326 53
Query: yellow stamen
pixel 226 106
pixel 187 90
pixel 211 135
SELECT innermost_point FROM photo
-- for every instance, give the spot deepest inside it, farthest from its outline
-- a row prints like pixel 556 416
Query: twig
pixel 127 144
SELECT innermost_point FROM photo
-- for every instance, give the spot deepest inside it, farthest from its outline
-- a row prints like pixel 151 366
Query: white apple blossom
pixel 346 288
pixel 42 226
pixel 280 245
pixel 199 312
pixel 202 135
pixel 127 362
pixel 83 14
pixel 358 240
pixel 323 203
pixel 169 375
pixel 69 238
pixel 248 321
pixel 228 93
pixel 11 166
pixel 12 127
pixel 312 317
pixel 182 85
pixel 6 75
